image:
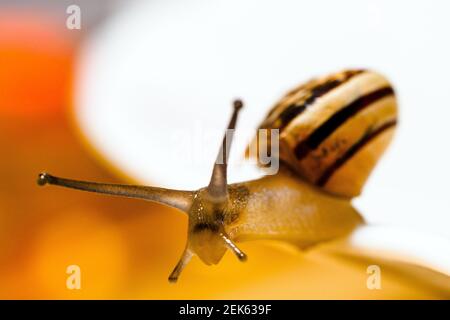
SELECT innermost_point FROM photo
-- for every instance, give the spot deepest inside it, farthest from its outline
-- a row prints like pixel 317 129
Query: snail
pixel 332 131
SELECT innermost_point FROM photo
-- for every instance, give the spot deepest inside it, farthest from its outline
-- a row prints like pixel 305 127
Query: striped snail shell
pixel 334 129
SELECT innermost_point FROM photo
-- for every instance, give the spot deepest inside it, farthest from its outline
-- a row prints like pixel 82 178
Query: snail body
pixel 283 207
pixel 276 207
pixel 332 131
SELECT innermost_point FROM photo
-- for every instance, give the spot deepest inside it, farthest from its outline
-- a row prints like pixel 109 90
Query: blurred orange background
pixel 125 248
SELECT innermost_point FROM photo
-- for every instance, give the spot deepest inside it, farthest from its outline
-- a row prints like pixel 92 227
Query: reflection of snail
pixel 332 131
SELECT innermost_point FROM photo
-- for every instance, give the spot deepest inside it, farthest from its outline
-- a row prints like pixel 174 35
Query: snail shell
pixel 334 129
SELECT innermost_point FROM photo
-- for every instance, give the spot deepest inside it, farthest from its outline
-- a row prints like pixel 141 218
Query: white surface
pixel 399 249
pixel 160 70
pixel 401 245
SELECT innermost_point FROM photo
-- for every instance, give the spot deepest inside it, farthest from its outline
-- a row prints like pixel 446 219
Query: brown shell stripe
pixel 318 90
pixel 337 119
pixel 353 150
